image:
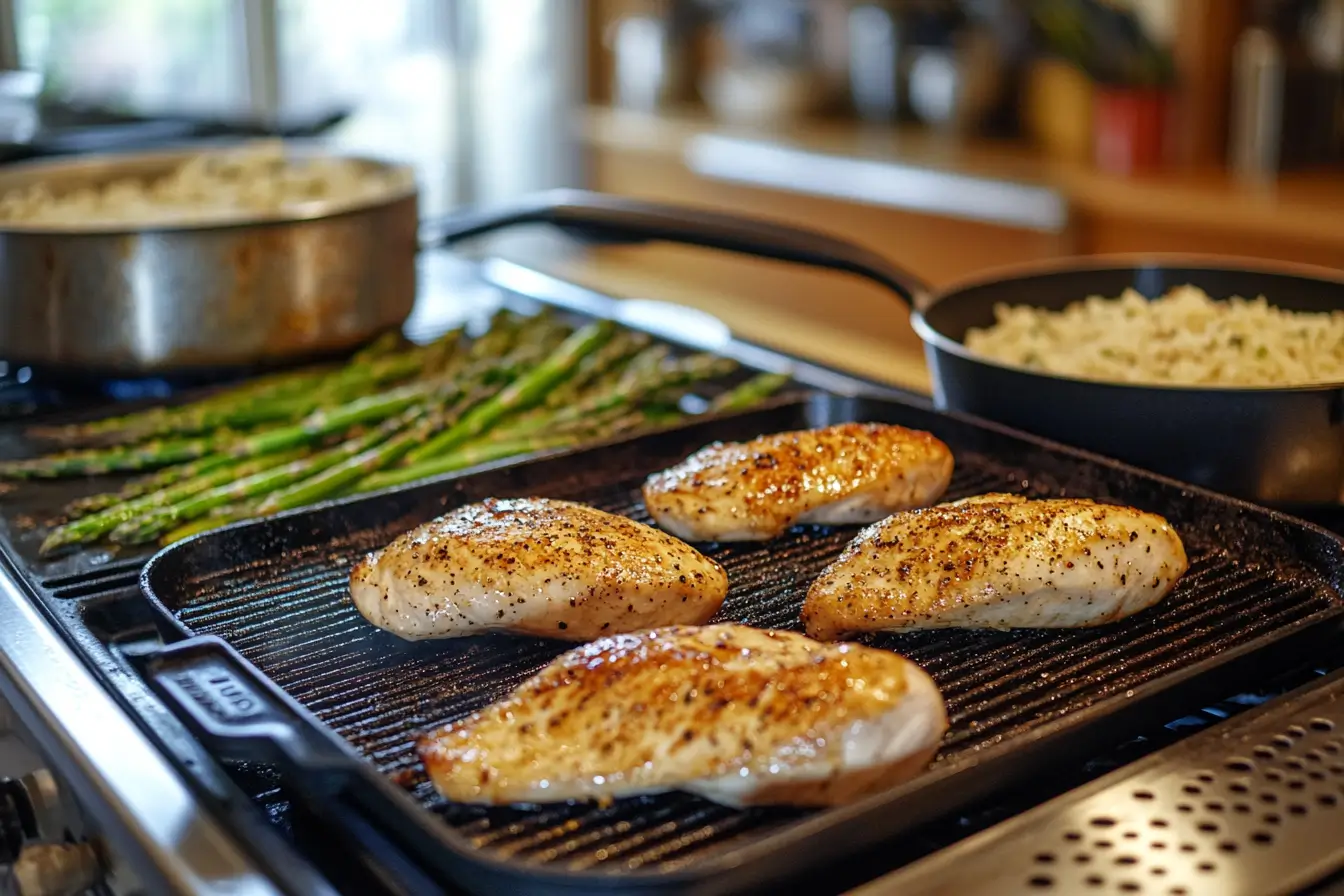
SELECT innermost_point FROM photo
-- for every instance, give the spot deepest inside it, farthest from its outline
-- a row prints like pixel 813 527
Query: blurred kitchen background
pixel 952 135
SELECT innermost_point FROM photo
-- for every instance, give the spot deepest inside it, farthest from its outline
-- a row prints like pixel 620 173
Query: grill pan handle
pixel 601 217
pixel 238 714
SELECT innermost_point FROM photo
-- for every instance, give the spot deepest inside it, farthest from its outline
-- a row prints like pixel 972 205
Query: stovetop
pixel 450 291
pixel 27 393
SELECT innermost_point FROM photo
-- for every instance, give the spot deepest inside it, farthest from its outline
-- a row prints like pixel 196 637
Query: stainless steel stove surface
pixel 167 817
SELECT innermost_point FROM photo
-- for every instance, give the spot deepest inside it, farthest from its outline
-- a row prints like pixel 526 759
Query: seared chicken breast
pixel 752 491
pixel 997 562
pixel 534 566
pixel 735 714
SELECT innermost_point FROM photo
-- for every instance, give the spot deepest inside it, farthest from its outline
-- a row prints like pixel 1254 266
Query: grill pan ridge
pixel 1260 584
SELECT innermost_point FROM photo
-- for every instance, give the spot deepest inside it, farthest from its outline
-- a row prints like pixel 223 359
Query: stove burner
pixel 28 391
pixel 138 390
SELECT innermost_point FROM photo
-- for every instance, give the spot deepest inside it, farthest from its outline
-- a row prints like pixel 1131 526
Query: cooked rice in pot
pixel 219 186
pixel 1182 338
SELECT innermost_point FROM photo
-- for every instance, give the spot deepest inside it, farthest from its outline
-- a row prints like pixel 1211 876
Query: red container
pixel 1130 126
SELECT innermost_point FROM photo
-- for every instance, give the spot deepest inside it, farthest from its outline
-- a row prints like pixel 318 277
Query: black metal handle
pixel 617 219
pixel 238 714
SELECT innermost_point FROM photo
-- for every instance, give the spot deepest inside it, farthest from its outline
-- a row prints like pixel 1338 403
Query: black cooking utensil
pixel 1261 589
pixel 1281 446
pixel 241 717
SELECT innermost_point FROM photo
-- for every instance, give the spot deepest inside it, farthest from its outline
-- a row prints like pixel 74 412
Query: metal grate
pixel 1253 805
pixel 295 623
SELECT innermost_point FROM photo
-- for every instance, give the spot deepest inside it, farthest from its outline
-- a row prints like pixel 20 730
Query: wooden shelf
pixel 1305 207
pixel 854 325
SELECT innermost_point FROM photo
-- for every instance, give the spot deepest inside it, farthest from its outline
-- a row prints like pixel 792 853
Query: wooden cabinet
pixel 937 250
pixel 841 320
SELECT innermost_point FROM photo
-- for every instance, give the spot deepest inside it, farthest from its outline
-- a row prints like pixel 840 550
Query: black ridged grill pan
pixel 274 593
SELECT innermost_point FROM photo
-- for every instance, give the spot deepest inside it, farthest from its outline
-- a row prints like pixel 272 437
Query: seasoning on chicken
pixel 997 562
pixel 752 491
pixel 534 566
pixel 735 714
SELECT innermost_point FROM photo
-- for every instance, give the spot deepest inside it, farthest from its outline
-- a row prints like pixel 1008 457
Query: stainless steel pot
pixel 189 297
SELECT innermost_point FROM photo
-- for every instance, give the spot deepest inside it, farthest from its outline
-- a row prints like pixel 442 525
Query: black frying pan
pixel 1281 446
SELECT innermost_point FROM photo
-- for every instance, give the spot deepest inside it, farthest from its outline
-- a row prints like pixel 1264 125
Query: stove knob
pixel 18 819
pixel 49 810
pixel 30 809
pixel 57 869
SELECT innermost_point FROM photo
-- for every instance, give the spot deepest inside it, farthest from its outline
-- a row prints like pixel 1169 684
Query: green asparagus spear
pixel 81 507
pixel 753 391
pixel 345 387
pixel 646 363
pixel 93 527
pixel 520 394
pixel 105 429
pixel 441 352
pixel 282 396
pixel 97 462
pixel 382 346
pixel 638 386
pixel 461 459
pixel 333 480
pixel 591 369
pixel 478 383
pixel 272 398
pixel 497 446
pixel 222 516
pixel 215 412
pixel 144 485
pixel 501 336
pixel 152 525
pixel 158 454
pixel 648 376
pixel 370 409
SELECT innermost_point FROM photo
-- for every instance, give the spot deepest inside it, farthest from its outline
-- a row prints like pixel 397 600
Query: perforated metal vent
pixel 1252 806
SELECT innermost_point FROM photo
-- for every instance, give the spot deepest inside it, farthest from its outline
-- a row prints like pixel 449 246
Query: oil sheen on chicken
pixel 997 562
pixel 738 715
pixel 535 566
pixel 852 473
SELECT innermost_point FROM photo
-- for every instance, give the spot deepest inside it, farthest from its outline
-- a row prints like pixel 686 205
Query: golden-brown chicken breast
pixel 752 491
pixel 997 562
pixel 735 714
pixel 535 566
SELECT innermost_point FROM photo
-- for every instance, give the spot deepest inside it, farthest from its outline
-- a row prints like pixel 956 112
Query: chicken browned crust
pixel 735 714
pixel 997 562
pixel 535 566
pixel 851 473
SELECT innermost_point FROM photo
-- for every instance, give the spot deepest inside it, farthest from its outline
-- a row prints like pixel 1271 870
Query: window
pixel 136 55
pixel 480 125
pixel 395 72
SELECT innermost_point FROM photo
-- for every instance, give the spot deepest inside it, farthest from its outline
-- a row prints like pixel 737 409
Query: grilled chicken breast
pixel 997 562
pixel 735 714
pixel 752 491
pixel 534 566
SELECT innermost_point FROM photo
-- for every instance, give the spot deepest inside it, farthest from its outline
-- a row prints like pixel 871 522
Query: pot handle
pixel 605 218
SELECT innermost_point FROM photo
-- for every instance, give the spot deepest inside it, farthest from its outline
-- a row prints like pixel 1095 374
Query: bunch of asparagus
pixel 390 415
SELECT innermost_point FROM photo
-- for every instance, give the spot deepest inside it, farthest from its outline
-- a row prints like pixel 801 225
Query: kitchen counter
pixel 625 273
pixel 944 209
pixel 1299 206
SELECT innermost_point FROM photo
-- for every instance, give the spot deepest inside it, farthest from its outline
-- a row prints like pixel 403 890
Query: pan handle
pixel 239 715
pixel 605 218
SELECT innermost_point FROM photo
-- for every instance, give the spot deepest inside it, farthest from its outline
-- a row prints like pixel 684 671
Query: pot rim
pixel 106 166
pixel 1006 274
